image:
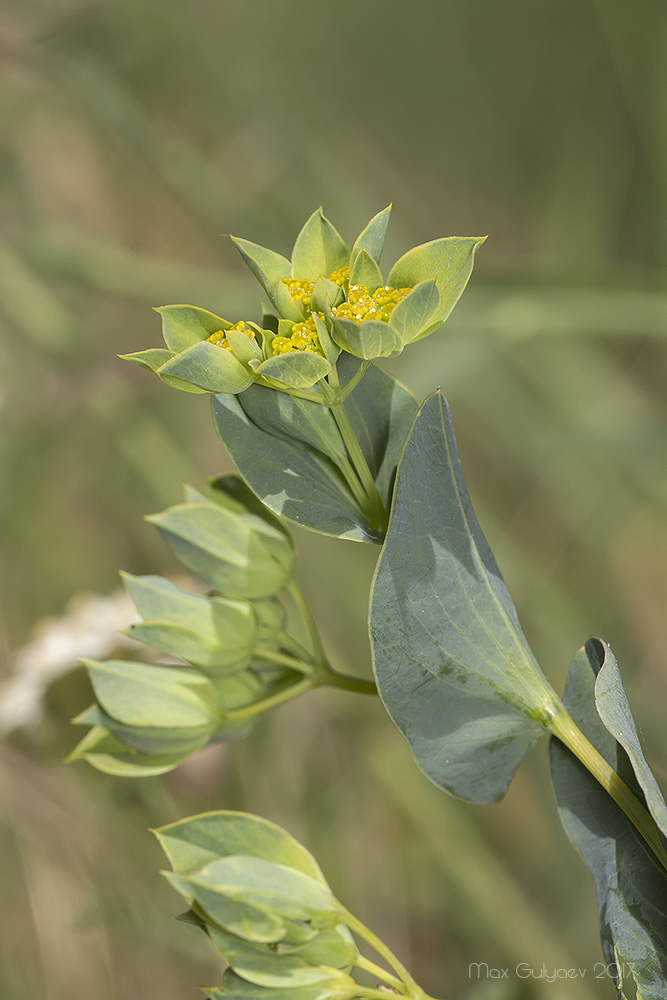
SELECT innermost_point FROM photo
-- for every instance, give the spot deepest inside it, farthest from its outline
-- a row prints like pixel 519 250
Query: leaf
pixel 107 754
pixel 239 555
pixel 142 694
pixel 151 360
pixel 416 311
pixel 365 271
pixel 243 347
pixel 614 709
pixel 153 740
pixel 209 368
pixel 211 632
pixel 318 249
pixel 631 884
pixel 448 260
pixel 371 238
pixel 255 898
pixel 184 326
pixel 288 449
pixel 194 842
pixel 370 339
pixel 268 266
pixel 452 665
pixel 235 988
pixel 296 369
pixel 261 964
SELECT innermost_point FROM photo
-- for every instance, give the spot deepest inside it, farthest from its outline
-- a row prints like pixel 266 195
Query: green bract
pixel 326 298
pixel 264 903
pixel 240 554
pixel 206 353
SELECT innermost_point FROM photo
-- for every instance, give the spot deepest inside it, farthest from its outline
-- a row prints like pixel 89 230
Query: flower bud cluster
pixel 266 907
pixel 221 645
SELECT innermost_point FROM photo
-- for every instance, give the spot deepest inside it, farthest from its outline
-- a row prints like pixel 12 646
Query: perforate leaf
pixel 452 665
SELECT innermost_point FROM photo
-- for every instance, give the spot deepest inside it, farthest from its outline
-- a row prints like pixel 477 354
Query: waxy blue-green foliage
pixel 453 667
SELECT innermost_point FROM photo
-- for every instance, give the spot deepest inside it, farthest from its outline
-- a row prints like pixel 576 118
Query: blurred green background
pixel 135 135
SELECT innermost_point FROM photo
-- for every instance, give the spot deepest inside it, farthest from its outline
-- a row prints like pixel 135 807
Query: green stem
pixel 285 660
pixel 238 714
pixel 374 504
pixel 567 731
pixel 313 632
pixel 342 394
pixel 376 970
pixel 346 683
pixel 411 987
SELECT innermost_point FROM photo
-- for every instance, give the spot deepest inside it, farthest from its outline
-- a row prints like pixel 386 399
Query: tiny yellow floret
pixel 362 304
pixel 301 290
pixel 220 336
pixel 303 338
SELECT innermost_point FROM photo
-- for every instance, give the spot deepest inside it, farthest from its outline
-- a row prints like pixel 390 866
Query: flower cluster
pixel 325 299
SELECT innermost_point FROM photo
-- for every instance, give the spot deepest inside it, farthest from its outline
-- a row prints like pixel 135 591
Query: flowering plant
pixel 322 437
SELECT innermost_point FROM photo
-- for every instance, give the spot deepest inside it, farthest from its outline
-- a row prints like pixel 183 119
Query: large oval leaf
pixel 452 665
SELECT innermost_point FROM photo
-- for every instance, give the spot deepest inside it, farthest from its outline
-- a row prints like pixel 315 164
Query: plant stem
pixel 374 506
pixel 238 714
pixel 313 632
pixel 566 730
pixel 411 987
pixel 303 666
pixel 343 393
pixel 346 683
pixel 377 971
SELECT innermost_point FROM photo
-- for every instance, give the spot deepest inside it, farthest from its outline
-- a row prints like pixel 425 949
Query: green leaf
pixel 325 295
pixel 370 339
pixel 192 843
pixel 371 238
pixel 614 710
pixel 211 632
pixel 365 271
pixel 287 307
pixel 106 753
pixel 208 368
pixel 416 311
pixel 142 694
pixel 448 260
pixel 151 359
pixel 153 740
pixel 184 326
pixel 452 665
pixel 253 897
pixel 268 266
pixel 261 964
pixel 243 347
pixel 296 369
pixel 241 556
pixel 318 249
pixel 330 348
pixel 631 884
pixel 288 449
pixel 235 988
